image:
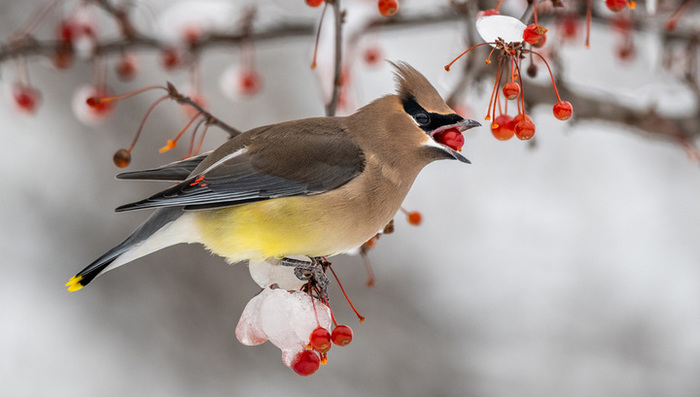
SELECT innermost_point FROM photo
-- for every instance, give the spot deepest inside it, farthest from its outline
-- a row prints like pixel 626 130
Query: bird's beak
pixel 467 124
pixel 462 126
pixel 457 155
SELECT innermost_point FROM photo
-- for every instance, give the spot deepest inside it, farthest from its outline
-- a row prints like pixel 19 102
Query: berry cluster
pixel 386 7
pixel 77 35
pixel 293 313
pixel 510 53
pixel 308 361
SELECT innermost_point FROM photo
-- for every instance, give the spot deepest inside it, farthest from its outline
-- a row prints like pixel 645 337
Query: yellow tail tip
pixel 74 283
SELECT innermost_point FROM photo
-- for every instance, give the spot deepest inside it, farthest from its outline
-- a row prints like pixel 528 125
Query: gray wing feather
pixel 273 163
pixel 175 172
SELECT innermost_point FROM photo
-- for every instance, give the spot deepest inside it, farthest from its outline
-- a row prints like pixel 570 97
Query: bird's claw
pixel 314 271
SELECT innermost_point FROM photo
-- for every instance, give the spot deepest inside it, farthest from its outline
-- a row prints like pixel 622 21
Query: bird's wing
pixel 175 172
pixel 290 159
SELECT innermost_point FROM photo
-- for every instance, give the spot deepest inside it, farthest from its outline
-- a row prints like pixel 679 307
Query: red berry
pixel 533 33
pixel 91 106
pixel 671 25
pixel 569 27
pixel 388 7
pixel 563 110
pixel 450 137
pixel 621 23
pixel 126 67
pixel 486 13
pixel 306 363
pixel 511 90
pixel 320 340
pixel 314 3
pixel 192 34
pixel 97 105
pixel 524 127
pixel 250 82
pixel 27 99
pixel 626 51
pixel 122 158
pixel 77 27
pixel 170 58
pixel 372 55
pixel 64 31
pixel 532 70
pixel 503 127
pixel 62 59
pixel 616 5
pixel 342 335
pixel 540 42
pixel 415 218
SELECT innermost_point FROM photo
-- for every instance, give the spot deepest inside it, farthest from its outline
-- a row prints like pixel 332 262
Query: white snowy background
pixel 569 270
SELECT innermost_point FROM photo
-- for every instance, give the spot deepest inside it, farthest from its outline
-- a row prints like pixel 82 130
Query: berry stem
pixel 194 135
pixel 143 121
pixel 534 11
pixel 671 24
pixel 99 73
pixel 201 138
pixel 589 12
pixel 499 75
pixel 313 304
pixel 447 67
pixel 368 267
pixel 172 143
pixel 554 84
pixel 94 101
pixel 318 35
pixel 522 89
pixel 195 78
pixel 500 110
pixel 22 71
pixel 362 318
pixel 37 17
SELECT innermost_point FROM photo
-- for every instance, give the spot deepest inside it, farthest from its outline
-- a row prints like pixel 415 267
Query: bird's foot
pixel 314 271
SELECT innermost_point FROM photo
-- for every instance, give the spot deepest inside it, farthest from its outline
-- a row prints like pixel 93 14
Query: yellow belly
pixel 271 228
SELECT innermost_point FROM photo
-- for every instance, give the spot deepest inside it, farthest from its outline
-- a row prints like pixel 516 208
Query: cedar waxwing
pixel 313 187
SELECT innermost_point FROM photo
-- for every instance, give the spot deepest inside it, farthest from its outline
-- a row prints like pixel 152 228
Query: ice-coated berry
pixel 306 363
pixel 320 340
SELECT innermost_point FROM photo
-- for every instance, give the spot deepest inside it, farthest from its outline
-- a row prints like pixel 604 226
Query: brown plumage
pixel 313 187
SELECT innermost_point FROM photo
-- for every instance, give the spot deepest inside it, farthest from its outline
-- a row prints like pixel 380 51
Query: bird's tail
pixel 165 227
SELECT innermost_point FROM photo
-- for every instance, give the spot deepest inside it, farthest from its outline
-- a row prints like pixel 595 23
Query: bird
pixel 314 187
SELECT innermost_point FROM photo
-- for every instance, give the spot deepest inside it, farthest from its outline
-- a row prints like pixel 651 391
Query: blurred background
pixel 570 267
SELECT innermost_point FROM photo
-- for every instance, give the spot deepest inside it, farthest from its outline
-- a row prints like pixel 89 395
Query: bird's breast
pixel 317 225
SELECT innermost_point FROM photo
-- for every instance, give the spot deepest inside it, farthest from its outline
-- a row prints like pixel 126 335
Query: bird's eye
pixel 422 118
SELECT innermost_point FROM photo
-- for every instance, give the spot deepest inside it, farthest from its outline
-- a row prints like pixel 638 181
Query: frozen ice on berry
pixel 500 26
pixel 305 314
pixel 248 330
pixel 285 318
pixel 267 273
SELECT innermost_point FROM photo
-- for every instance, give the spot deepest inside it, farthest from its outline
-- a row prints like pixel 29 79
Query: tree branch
pixel 338 58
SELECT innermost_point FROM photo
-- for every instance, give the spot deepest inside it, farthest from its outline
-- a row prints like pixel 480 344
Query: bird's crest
pixel 413 85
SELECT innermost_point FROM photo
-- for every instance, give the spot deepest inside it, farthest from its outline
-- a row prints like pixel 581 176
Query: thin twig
pixel 211 120
pixel 338 59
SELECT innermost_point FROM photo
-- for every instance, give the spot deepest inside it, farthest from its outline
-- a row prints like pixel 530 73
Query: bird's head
pixel 440 127
pixel 416 120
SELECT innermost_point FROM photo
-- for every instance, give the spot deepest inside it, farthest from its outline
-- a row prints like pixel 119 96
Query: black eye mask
pixel 428 121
